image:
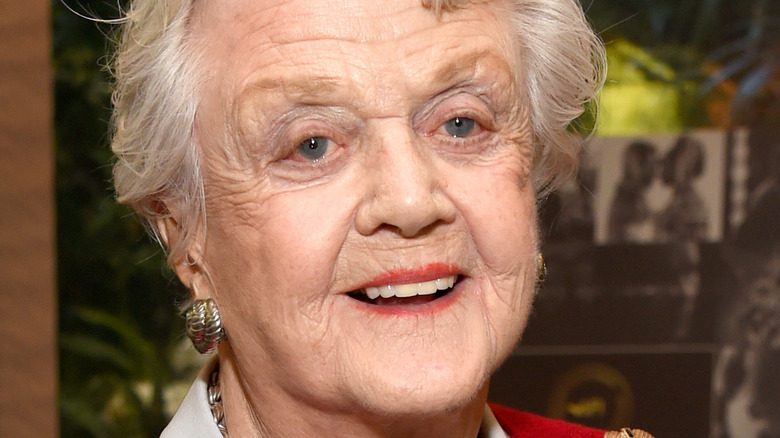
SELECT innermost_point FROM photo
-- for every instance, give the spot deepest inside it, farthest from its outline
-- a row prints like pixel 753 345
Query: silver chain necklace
pixel 215 402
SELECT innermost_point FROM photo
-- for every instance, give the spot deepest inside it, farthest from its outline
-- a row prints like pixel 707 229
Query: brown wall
pixel 28 364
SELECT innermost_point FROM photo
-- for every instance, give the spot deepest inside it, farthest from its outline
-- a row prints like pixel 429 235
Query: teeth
pixel 427 288
pixel 403 290
pixel 411 289
pixel 372 292
pixel 386 291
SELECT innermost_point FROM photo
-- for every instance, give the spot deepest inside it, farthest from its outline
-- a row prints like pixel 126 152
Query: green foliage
pixel 116 363
pixel 718 50
pixel 138 385
pixel 642 93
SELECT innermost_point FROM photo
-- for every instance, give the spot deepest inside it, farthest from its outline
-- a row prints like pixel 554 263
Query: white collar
pixel 193 418
pixel 490 427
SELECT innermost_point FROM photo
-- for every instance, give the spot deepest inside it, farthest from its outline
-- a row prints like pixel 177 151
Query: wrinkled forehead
pixel 322 15
pixel 283 20
pixel 256 25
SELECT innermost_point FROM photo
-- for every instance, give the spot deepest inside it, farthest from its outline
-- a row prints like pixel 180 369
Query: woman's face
pixel 349 146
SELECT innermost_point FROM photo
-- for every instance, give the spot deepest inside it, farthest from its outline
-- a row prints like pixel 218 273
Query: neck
pixel 269 413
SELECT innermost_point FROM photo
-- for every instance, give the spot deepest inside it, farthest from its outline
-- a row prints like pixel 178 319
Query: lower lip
pixel 429 308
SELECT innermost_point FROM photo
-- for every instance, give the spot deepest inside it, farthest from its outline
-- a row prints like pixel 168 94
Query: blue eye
pixel 459 126
pixel 314 148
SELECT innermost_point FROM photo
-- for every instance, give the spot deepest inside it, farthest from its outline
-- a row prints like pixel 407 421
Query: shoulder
pixel 519 424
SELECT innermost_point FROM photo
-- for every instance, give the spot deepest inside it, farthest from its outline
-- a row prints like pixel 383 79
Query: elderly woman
pixel 348 190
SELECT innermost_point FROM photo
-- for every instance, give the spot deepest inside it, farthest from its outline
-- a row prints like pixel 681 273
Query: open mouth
pixel 406 294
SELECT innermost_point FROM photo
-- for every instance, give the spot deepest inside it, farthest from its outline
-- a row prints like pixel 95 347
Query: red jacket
pixel 518 424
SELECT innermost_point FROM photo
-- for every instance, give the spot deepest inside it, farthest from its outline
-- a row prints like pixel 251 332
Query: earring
pixel 541 270
pixel 204 325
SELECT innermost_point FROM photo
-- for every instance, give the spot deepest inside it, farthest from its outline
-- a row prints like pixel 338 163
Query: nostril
pixel 407 219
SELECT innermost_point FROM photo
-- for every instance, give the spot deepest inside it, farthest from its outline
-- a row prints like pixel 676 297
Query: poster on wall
pixel 746 376
pixel 628 242
pixel 660 189
pixel 663 392
pixel 662 243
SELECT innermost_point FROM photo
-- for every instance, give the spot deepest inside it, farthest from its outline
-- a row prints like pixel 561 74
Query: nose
pixel 404 187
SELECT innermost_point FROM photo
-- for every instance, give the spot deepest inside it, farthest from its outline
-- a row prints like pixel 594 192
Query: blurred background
pixel 663 314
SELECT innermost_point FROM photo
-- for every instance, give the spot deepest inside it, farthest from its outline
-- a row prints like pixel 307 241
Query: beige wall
pixel 28 364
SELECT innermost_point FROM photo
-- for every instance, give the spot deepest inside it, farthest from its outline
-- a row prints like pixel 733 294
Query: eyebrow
pixel 469 62
pixel 297 87
pixel 301 87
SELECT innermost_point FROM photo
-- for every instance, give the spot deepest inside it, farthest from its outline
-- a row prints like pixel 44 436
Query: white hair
pixel 155 99
pixel 157 93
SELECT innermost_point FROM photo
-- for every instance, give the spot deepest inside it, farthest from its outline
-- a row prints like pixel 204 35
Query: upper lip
pixel 428 272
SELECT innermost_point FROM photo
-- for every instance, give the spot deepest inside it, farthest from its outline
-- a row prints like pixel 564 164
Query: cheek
pixel 498 206
pixel 274 257
pixel 499 209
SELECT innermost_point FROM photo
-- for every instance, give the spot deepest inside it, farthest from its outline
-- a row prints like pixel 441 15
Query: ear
pixel 188 262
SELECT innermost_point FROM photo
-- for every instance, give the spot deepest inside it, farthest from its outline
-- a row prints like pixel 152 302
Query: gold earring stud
pixel 541 270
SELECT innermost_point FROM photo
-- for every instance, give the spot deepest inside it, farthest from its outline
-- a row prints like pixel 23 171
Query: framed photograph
pixel 659 189
pixel 635 241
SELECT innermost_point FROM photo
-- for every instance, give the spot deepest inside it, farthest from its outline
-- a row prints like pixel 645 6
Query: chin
pixel 432 398
pixel 426 364
pixel 426 383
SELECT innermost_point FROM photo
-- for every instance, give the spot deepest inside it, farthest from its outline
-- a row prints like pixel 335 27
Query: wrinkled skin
pixel 288 236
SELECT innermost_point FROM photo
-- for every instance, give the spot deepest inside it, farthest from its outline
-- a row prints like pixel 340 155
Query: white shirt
pixel 193 418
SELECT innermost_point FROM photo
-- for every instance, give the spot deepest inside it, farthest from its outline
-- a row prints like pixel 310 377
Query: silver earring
pixel 204 325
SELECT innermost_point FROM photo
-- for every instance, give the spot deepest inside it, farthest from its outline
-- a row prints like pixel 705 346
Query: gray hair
pixel 157 92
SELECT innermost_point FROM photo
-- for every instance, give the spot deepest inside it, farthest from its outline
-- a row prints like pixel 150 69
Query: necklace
pixel 215 401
